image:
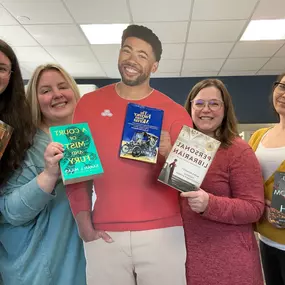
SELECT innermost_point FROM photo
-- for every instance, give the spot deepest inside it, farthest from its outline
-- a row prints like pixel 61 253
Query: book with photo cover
pixel 141 133
pixel 80 160
pixel 5 135
pixel 277 210
pixel 189 160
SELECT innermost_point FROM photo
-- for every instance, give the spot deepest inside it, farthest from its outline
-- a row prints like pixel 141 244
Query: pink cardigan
pixel 221 246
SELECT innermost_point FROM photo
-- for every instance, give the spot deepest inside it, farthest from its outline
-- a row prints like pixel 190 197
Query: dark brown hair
pixel 145 34
pixel 228 129
pixel 15 111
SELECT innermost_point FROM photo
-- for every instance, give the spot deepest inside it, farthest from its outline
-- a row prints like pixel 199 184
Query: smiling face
pixel 5 68
pixel 279 97
pixel 136 61
pixel 56 98
pixel 206 120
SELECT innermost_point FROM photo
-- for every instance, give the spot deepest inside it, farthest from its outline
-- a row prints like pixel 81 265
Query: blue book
pixel 141 133
pixel 80 160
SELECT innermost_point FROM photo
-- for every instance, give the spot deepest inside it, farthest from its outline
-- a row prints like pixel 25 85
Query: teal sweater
pixel 39 242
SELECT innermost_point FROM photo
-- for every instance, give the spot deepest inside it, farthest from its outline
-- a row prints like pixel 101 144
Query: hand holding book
pixel 268 214
pixel 53 154
pixel 197 200
pixel 47 179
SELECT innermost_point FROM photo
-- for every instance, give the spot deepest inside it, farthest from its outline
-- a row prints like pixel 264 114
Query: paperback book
pixel 141 133
pixel 189 160
pixel 5 135
pixel 277 210
pixel 80 160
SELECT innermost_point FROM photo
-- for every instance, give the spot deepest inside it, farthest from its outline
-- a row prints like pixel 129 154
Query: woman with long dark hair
pixel 14 111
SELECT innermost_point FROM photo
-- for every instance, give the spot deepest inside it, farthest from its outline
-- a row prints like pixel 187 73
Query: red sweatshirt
pixel 221 246
pixel 129 197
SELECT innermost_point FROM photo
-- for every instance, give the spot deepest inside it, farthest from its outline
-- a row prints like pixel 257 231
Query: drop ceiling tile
pixel 275 63
pixel 38 54
pixel 237 73
pixel 6 18
pixel 281 52
pixel 270 72
pixel 106 52
pixel 39 12
pixel 269 9
pixel 71 54
pixel 111 69
pixel 256 49
pixel 84 69
pixel 30 66
pixel 172 51
pixel 26 75
pixel 16 36
pixel 160 10
pixel 223 9
pixel 215 31
pixel 208 50
pixel 13 1
pixel 199 74
pixel 195 65
pixel 236 64
pixel 169 65
pixel 165 74
pixel 99 12
pixel 57 35
pixel 168 32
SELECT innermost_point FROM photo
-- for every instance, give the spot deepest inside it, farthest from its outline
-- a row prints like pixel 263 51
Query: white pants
pixel 152 257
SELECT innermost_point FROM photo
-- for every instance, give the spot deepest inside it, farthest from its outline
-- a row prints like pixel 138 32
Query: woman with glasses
pixel 218 218
pixel 269 147
pixel 14 111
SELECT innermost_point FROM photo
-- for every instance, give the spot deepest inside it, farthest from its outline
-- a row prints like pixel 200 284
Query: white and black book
pixel 189 160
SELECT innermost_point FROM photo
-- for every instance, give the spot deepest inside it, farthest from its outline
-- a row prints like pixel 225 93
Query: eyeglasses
pixel 213 105
pixel 279 87
pixel 5 71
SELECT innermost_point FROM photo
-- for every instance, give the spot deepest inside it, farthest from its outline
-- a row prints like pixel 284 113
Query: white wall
pixel 86 88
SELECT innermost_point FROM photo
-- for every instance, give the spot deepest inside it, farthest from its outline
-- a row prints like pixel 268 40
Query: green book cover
pixel 80 161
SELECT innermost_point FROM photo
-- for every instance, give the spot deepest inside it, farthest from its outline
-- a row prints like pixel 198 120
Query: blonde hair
pixel 33 85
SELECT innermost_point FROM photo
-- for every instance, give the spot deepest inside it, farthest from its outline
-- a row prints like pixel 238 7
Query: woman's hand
pixel 267 215
pixel 197 200
pixel 47 179
pixel 53 154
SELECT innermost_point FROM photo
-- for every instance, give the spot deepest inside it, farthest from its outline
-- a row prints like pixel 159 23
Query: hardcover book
pixel 277 210
pixel 141 133
pixel 5 135
pixel 80 160
pixel 189 160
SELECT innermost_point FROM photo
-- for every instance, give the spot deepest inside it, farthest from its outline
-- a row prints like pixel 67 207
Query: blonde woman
pixel 40 244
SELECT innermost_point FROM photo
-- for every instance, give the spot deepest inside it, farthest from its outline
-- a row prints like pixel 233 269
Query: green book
pixel 80 161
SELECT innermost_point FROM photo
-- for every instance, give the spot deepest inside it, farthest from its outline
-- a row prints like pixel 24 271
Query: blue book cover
pixel 141 133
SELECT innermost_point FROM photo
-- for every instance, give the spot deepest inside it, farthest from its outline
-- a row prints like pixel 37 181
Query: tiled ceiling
pixel 200 37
